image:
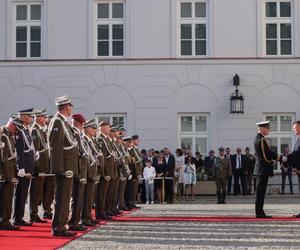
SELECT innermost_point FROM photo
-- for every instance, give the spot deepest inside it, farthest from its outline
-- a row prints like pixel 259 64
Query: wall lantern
pixel 237 98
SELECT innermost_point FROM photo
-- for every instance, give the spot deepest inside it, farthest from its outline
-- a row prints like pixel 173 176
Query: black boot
pixel 223 197
pixel 219 198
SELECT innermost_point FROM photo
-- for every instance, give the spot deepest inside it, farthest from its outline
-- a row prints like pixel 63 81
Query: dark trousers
pixel 122 186
pixel 116 194
pixel 63 190
pixel 248 184
pixel 20 198
pixel 289 174
pixel 101 198
pixel 110 195
pixel 133 191
pixel 239 176
pixel 36 191
pixel 76 203
pixel 169 191
pixel 89 195
pixel 48 193
pixel 229 184
pixel 6 198
pixel 127 193
pixel 262 183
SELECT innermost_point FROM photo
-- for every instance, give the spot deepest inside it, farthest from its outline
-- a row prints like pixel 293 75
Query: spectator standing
pixel 160 169
pixel 238 170
pixel 250 162
pixel 286 171
pixel 229 156
pixel 149 175
pixel 170 167
pixel 189 178
pixel 209 162
pixel 198 162
pixel 179 171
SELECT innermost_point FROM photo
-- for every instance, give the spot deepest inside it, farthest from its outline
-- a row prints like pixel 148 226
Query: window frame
pixel 278 21
pixel 28 23
pixel 110 22
pixel 111 116
pixel 194 134
pixel 193 21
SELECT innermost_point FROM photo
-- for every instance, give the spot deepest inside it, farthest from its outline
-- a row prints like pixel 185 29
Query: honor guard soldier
pixel 25 166
pixel 8 174
pixel 138 168
pixel 104 143
pixel 41 165
pixel 221 170
pixel 265 159
pixel 48 189
pixel 64 156
pixel 80 180
pixel 131 164
pixel 93 175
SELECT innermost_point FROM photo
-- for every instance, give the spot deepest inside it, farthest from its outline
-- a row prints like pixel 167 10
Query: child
pixel 149 175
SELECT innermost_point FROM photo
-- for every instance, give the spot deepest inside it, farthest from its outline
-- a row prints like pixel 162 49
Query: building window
pixel 278 28
pixel 115 119
pixel 28 30
pixel 193 22
pixel 281 133
pixel 110 28
pixel 193 132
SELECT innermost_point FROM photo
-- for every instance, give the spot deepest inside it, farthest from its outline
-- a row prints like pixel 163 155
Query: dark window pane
pixel 119 121
pixel 118 48
pixel 271 47
pixel 21 34
pixel 271 9
pixel 118 31
pixel 271 31
pixel 35 50
pixel 285 30
pixel 285 9
pixel 21 12
pixel 186 48
pixel 186 9
pixel 35 12
pixel 286 47
pixel 200 31
pixel 186 31
pixel 103 10
pixel 117 10
pixel 200 48
pixel 103 32
pixel 103 49
pixel 35 33
pixel 200 9
pixel 21 50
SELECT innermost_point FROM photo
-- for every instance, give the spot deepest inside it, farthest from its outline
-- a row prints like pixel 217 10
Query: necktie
pixel 239 158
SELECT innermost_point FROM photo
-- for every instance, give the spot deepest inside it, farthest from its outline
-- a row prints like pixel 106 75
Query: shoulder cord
pixel 263 150
pixel 90 146
pixel 13 155
pixel 42 140
pixel 111 154
pixel 30 146
pixel 138 159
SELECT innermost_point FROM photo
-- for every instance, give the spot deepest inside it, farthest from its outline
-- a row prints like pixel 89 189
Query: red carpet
pixel 37 237
pixel 205 219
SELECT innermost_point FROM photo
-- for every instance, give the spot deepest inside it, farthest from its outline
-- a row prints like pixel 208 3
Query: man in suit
pixel 265 159
pixel 170 167
pixel 238 171
pixel 209 161
pixel 294 157
pixel 64 161
pixel 229 156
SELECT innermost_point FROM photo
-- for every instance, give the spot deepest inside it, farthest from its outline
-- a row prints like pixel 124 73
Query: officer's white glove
pixel 21 173
pixel 130 177
pixel 1 178
pixel 68 174
pixel 139 176
pixel 15 181
pixel 83 181
pixel 37 156
pixel 107 178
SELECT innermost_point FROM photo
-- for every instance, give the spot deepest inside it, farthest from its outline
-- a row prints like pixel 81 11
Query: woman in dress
pixel 189 177
pixel 160 169
pixel 179 174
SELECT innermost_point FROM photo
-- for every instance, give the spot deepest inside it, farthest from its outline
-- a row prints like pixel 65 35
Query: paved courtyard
pixel 200 235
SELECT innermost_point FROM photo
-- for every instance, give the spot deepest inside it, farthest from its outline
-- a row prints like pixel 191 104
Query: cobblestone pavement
pixel 200 235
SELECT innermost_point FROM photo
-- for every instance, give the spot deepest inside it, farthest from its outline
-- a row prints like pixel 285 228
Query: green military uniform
pixel 64 160
pixel 41 166
pixel 222 170
pixel 136 173
pixel 118 173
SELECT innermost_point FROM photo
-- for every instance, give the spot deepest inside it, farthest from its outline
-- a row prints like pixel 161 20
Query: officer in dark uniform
pixel 8 166
pixel 25 166
pixel 39 137
pixel 79 181
pixel 64 161
pixel 265 159
pixel 131 164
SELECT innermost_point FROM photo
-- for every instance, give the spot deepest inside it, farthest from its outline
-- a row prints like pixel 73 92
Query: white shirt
pixel 149 173
pixel 238 161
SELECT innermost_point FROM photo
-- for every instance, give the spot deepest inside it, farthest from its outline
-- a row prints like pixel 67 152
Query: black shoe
pixel 39 220
pixel 63 233
pixel 297 215
pixel 263 216
pixel 95 222
pixel 88 224
pixel 9 228
pixel 47 215
pixel 135 206
pixel 22 223
pixel 77 228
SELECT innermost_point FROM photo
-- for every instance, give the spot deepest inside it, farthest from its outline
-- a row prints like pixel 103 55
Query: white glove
pixel 21 173
pixel 37 156
pixel 83 181
pixel 130 177
pixel 69 174
pixel 107 178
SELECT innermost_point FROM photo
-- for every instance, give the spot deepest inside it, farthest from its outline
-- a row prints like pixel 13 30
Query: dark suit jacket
pixel 243 163
pixel 170 166
pixel 294 157
pixel 208 164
